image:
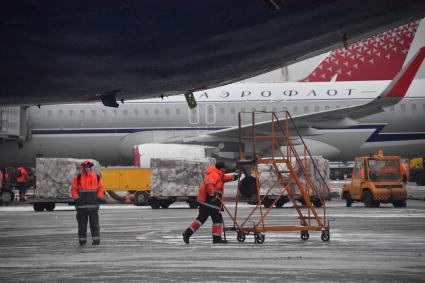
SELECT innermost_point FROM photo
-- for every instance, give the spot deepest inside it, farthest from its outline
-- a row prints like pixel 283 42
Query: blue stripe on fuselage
pixel 112 130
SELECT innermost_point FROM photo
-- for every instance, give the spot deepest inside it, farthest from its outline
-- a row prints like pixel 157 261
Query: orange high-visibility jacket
pixel 87 189
pixel 212 185
pixel 22 175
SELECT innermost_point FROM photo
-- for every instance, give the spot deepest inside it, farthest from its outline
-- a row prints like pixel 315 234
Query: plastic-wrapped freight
pixel 268 177
pixel 177 177
pixel 54 176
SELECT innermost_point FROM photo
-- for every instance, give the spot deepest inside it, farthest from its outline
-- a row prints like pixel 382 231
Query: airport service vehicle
pixel 135 180
pixel 376 179
pixel 417 171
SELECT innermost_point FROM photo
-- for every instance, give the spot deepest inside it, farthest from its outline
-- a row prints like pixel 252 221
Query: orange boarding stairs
pixel 259 133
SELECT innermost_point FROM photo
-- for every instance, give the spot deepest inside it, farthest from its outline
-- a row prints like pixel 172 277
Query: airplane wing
pixel 346 116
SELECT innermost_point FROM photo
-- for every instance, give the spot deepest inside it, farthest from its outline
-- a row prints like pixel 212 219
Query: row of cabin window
pixel 222 111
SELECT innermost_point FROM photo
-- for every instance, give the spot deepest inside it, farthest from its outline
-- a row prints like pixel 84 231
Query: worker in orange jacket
pixel 87 190
pixel 21 182
pixel 210 198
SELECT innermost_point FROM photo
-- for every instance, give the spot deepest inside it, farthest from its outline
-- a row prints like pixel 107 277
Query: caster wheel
pixel 305 235
pixel 241 237
pixel 325 236
pixel 259 238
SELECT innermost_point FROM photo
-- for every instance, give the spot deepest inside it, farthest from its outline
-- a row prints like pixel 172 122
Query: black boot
pixel 219 240
pixel 95 242
pixel 82 243
pixel 186 235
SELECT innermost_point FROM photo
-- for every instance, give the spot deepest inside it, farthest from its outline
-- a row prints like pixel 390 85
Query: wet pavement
pixel 139 244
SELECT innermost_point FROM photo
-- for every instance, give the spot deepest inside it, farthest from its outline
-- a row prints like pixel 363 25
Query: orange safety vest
pixel 213 184
pixel 87 189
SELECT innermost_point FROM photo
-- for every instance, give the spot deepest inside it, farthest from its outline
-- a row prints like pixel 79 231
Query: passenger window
pixel 210 113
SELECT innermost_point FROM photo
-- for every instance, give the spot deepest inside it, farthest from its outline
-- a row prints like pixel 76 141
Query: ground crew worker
pixel 210 198
pixel 87 190
pixel 21 182
pixel 403 168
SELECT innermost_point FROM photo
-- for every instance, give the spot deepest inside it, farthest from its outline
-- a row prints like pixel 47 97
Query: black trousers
pixel 22 187
pixel 83 216
pixel 205 212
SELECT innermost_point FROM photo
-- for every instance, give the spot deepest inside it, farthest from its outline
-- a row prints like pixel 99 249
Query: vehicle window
pixel 358 168
pixel 384 169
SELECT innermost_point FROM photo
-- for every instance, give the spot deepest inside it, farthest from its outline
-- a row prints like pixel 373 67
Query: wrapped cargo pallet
pixel 174 179
pixel 54 178
pixel 268 178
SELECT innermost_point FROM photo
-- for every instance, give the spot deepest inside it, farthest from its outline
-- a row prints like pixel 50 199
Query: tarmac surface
pixel 139 244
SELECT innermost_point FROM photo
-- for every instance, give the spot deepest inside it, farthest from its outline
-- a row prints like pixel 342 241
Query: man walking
pixel 210 198
pixel 87 190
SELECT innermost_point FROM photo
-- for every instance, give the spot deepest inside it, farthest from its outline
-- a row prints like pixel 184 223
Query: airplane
pixel 338 119
pixel 57 52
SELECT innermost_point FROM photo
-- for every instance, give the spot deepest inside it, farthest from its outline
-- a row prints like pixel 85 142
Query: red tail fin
pixel 379 57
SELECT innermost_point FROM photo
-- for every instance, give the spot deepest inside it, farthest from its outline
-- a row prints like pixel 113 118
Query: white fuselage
pixel 108 134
